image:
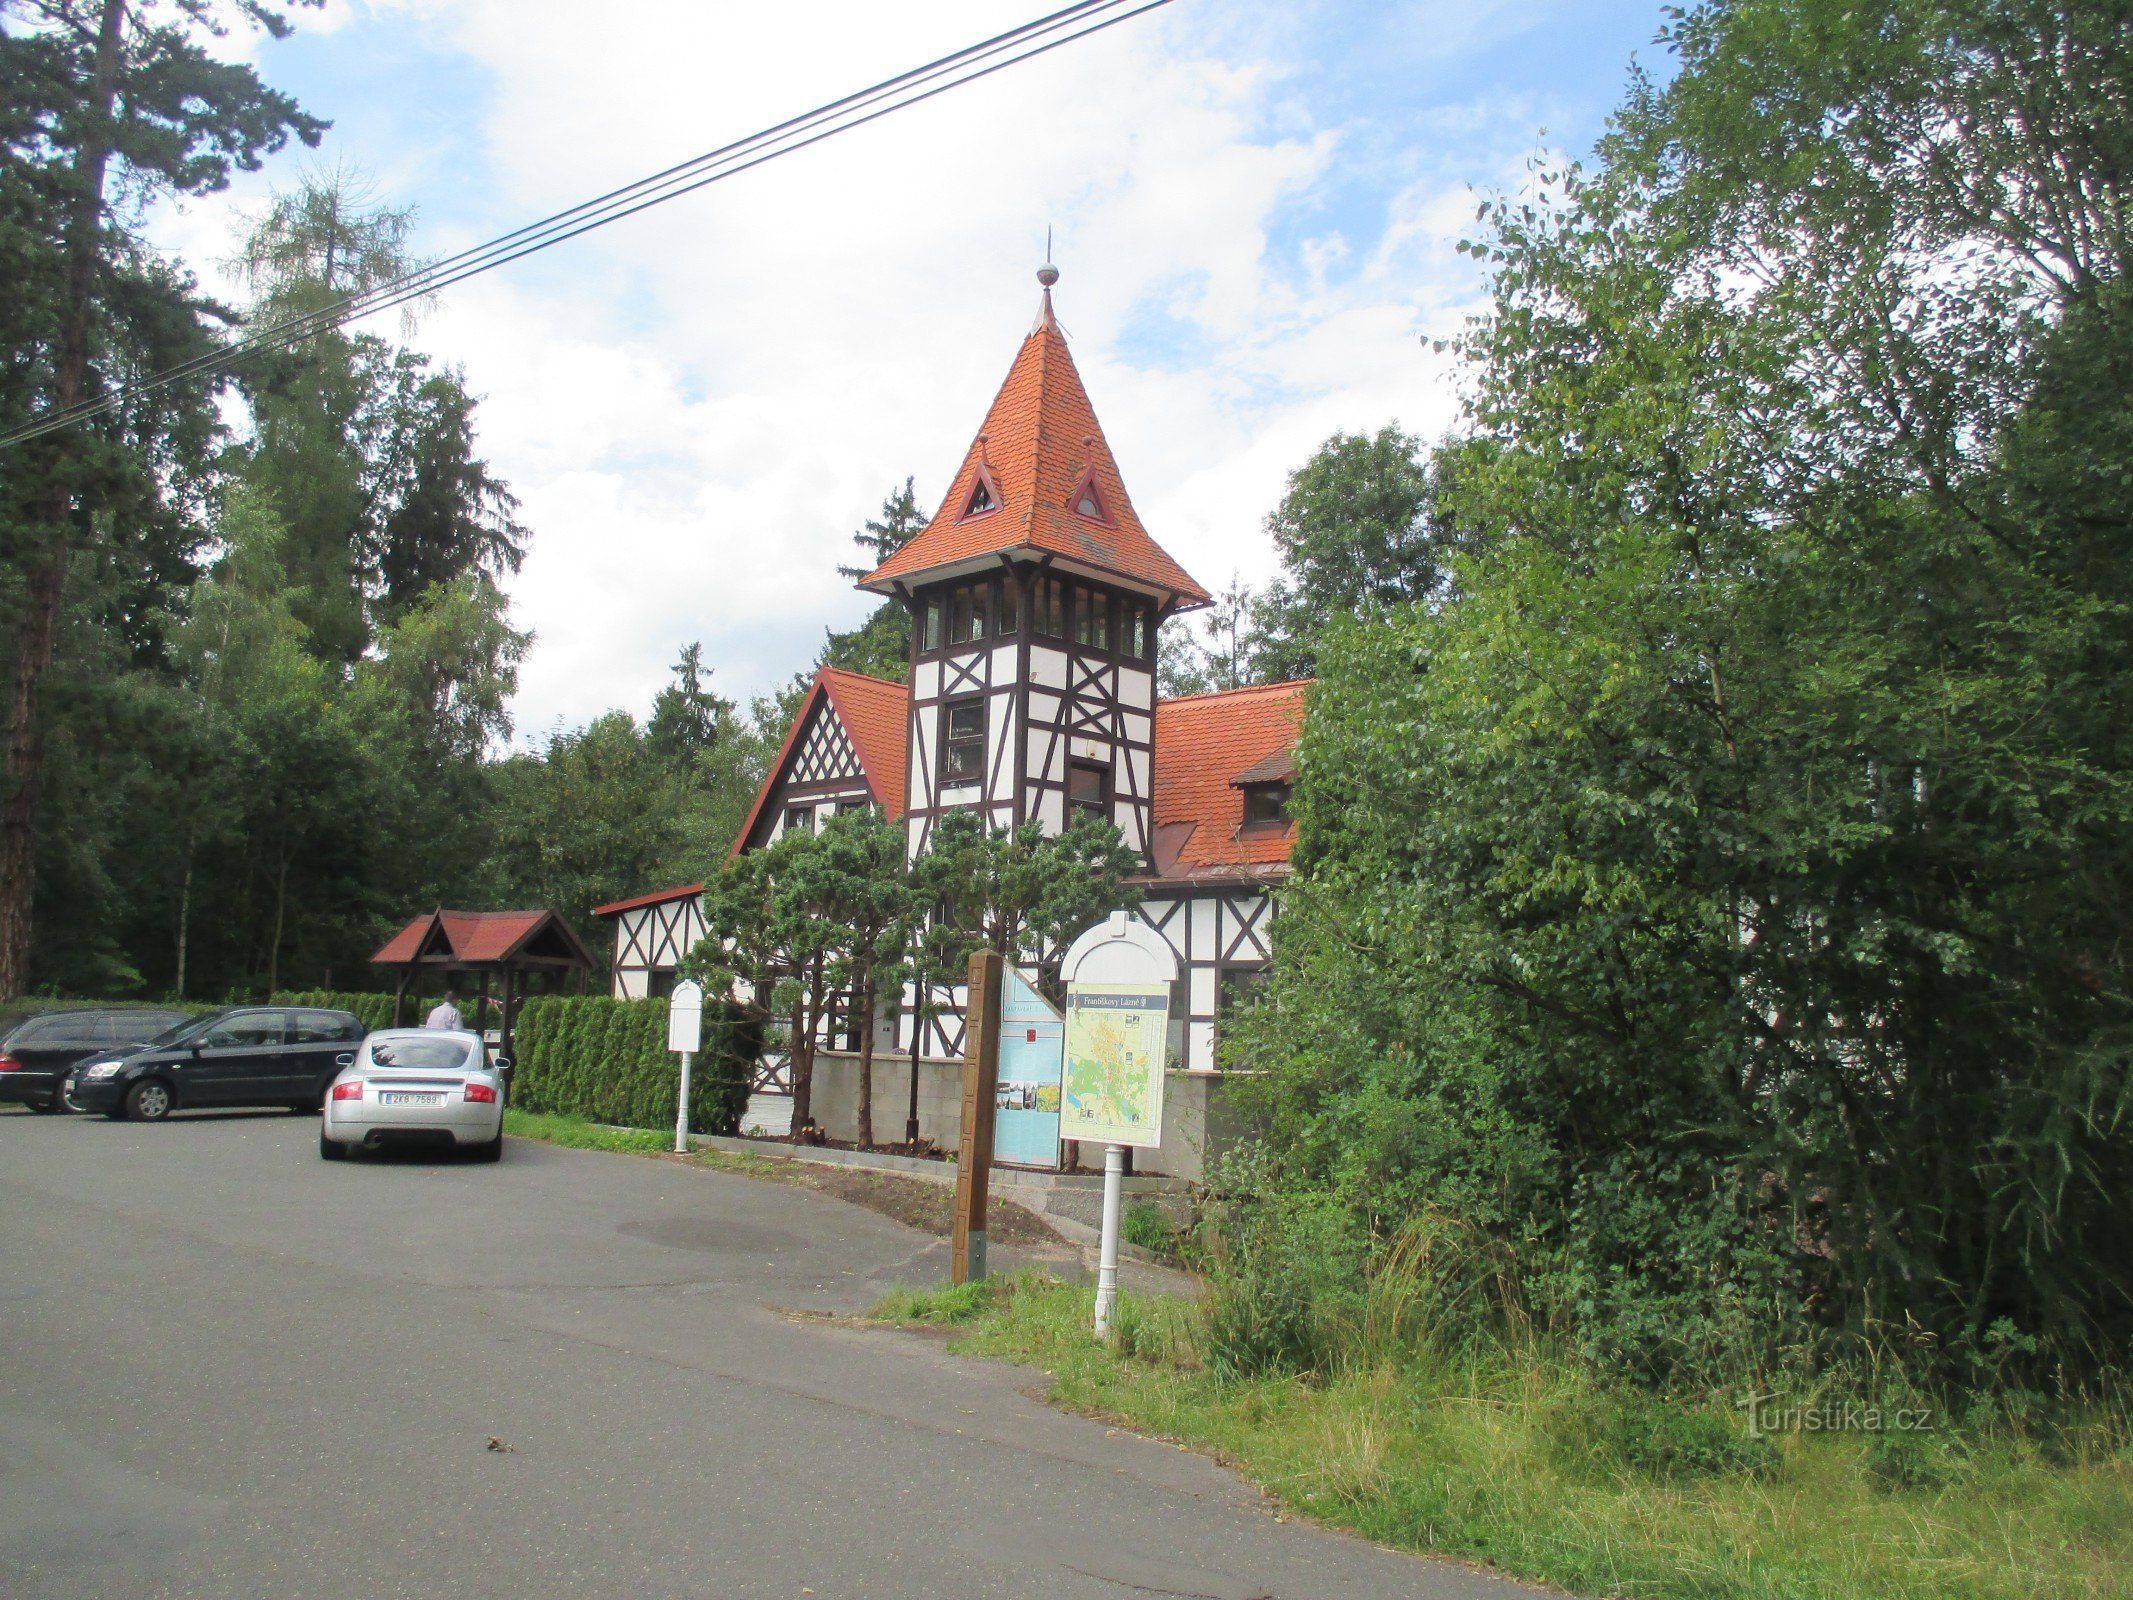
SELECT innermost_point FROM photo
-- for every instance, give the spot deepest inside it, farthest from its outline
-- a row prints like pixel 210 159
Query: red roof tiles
pixel 658 897
pixel 874 713
pixel 475 937
pixel 1205 744
pixel 1040 445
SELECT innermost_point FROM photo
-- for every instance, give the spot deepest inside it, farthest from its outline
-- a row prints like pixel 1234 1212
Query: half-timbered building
pixel 1037 597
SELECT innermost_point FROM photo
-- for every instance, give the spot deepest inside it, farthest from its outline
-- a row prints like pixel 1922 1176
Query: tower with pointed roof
pixel 1035 595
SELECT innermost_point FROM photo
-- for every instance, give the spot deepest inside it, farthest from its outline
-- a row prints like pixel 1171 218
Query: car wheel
pixel 331 1149
pixel 148 1101
pixel 492 1151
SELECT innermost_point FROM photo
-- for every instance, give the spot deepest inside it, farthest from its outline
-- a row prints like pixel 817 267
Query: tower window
pixel 982 498
pixel 1092 618
pixel 966 613
pixel 930 634
pixel 1136 630
pixel 963 741
pixel 1088 791
pixel 1009 614
pixel 1049 597
pixel 799 819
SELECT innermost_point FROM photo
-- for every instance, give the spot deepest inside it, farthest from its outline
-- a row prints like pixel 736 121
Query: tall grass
pixel 1434 1415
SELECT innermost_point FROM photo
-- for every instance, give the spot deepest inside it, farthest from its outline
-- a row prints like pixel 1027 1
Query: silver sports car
pixel 416 1084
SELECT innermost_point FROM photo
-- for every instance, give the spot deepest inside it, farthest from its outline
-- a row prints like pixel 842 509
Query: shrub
pixel 1146 1228
pixel 606 1060
pixel 1666 1438
pixel 372 1010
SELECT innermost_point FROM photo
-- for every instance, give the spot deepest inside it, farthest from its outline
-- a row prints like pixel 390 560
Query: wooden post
pixel 981 1089
pixel 503 1047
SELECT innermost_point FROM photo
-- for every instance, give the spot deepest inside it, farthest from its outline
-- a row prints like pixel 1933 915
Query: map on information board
pixel 1116 1042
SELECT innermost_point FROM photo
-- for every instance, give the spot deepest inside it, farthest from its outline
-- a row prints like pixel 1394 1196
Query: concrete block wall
pixel 1192 1106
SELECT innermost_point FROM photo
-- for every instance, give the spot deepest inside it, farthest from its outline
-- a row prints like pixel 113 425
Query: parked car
pixel 37 1053
pixel 244 1056
pixel 410 1085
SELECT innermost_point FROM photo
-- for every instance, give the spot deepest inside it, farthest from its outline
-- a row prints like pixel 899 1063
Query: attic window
pixel 1087 500
pixel 1266 807
pixel 984 495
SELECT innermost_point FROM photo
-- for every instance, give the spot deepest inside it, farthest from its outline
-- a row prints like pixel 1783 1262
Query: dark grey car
pixel 245 1056
pixel 37 1053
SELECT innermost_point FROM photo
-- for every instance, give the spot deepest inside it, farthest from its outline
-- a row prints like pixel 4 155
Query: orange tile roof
pixel 874 713
pixel 1040 442
pixel 1204 744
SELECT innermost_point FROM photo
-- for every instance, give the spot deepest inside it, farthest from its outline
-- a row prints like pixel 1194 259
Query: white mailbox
pixel 685 1017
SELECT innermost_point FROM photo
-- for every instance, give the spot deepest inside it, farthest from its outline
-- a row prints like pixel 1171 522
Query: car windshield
pixel 419 1055
pixel 186 1029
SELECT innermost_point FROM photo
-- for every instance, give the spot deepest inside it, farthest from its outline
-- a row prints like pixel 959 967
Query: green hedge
pixel 373 1010
pixel 607 1061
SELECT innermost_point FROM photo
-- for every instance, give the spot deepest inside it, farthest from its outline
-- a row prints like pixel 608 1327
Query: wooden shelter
pixel 467 949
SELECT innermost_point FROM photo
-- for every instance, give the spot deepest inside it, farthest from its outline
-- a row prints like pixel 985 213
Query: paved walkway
pixel 231 1370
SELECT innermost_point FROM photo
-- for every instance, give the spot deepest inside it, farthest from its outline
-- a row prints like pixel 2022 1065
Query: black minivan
pixel 37 1053
pixel 245 1056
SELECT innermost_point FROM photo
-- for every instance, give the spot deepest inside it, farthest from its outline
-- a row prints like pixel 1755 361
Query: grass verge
pixel 577 1134
pixel 1520 1462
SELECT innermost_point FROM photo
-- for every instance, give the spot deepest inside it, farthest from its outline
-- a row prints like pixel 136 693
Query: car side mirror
pixel 345 1059
pixel 503 1065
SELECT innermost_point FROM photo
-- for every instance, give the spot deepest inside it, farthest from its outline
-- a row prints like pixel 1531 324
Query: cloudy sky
pixel 1255 203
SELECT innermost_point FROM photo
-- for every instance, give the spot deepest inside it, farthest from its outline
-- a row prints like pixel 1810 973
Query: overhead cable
pixel 967 65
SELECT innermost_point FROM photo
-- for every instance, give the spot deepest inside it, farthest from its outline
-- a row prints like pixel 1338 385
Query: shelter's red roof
pixel 1204 744
pixel 657 897
pixel 873 712
pixel 1040 441
pixel 472 936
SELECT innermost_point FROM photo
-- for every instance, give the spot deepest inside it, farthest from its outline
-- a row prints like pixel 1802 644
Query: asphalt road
pixel 229 1370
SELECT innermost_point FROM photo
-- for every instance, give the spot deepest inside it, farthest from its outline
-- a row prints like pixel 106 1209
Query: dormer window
pixel 984 495
pixel 1265 786
pixel 1266 806
pixel 1087 500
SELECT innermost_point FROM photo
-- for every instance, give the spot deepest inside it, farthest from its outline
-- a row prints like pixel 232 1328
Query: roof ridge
pixel 1241 689
pixel 865 677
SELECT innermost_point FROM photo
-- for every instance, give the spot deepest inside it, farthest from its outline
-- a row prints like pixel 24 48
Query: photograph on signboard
pixel 1116 1040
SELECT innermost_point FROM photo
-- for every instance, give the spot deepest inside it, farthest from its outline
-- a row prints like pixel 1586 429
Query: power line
pixel 967 65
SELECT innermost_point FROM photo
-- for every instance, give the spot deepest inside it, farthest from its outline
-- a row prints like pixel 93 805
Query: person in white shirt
pixel 445 1014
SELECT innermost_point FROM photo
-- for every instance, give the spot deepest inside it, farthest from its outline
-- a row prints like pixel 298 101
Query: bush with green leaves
pixel 1718 892
pixel 373 1010
pixel 607 1061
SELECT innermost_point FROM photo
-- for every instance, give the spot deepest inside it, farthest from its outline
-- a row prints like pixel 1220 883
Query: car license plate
pixel 402 1097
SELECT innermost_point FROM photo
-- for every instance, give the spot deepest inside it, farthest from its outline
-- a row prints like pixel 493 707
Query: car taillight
pixel 8 1063
pixel 481 1094
pixel 352 1090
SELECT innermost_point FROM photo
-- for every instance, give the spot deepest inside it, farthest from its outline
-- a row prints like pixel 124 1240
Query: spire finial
pixel 1047 275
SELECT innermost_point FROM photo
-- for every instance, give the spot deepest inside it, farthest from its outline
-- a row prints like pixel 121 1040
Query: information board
pixel 1032 1047
pixel 1117 1038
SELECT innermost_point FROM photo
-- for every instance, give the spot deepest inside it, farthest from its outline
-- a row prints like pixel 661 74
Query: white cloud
pixel 699 404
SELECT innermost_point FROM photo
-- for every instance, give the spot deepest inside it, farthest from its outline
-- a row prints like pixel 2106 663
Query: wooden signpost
pixel 981 1088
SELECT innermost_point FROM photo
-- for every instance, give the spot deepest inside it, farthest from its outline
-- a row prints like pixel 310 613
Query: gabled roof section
pixel 1206 747
pixel 657 897
pixel 1040 448
pixel 874 713
pixel 483 938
